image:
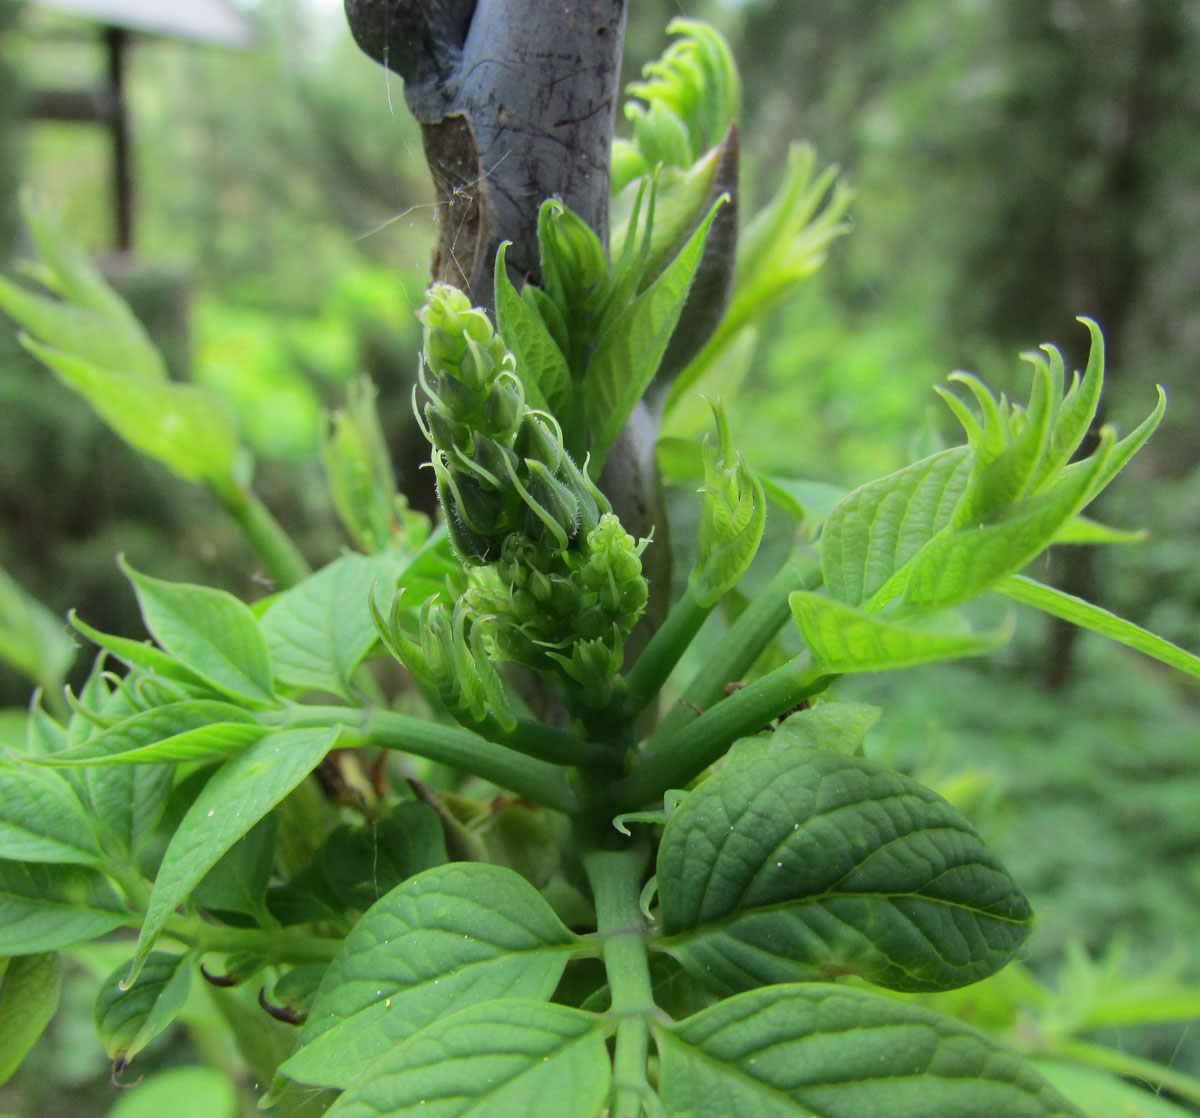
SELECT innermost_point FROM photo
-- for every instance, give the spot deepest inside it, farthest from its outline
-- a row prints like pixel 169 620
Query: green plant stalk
pixel 1122 1063
pixel 549 743
pixel 659 657
pixel 739 647
pixel 279 945
pixel 271 543
pixel 615 877
pixel 530 777
pixel 745 712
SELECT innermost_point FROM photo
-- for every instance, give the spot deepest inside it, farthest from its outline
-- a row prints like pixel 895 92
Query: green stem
pixel 745 712
pixel 530 777
pixel 1122 1063
pixel 279 945
pixel 549 743
pixel 659 657
pixel 737 650
pixel 271 543
pixel 616 878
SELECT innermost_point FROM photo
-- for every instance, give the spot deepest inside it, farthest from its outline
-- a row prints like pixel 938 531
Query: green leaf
pixel 208 631
pixel 183 1092
pixel 962 564
pixel 1101 1094
pixel 101 338
pixel 450 937
pixel 628 353
pixel 239 794
pixel 843 639
pixel 127 1018
pixel 831 727
pixel 238 882
pixel 361 864
pixel 29 990
pixel 733 514
pixel 800 1051
pixel 807 502
pixel 875 530
pixel 541 366
pixel 141 656
pixel 43 908
pixel 129 800
pixel 504 1059
pixel 319 631
pixel 32 639
pixel 42 820
pixel 190 730
pixel 1097 620
pixel 184 427
pixel 798 865
pixel 1081 529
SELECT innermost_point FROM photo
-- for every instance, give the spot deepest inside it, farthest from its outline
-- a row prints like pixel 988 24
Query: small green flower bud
pixel 537 440
pixel 553 508
pixel 503 408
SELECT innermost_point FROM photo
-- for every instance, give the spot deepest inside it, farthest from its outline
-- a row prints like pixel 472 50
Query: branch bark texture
pixel 516 100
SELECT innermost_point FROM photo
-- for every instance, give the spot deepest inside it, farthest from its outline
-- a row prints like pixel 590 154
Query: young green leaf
pixel 450 937
pixel 540 363
pixel 143 656
pixel 190 730
pixel 210 632
pixel 238 882
pixel 29 989
pixel 1087 616
pixel 843 639
pixel 129 800
pixel 799 1051
pixel 733 514
pixel 831 727
pixel 319 630
pixel 875 530
pixel 42 820
pixel 128 1018
pixel 45 907
pixel 182 1092
pixel 962 564
pixel 239 794
pixel 800 865
pixel 628 353
pixel 361 864
pixel 32 639
pixel 184 427
pixel 505 1057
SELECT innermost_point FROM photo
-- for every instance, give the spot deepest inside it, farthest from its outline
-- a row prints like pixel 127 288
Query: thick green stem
pixel 616 880
pixel 745 712
pixel 271 543
pixel 279 945
pixel 549 743
pixel 737 649
pixel 536 780
pixel 659 657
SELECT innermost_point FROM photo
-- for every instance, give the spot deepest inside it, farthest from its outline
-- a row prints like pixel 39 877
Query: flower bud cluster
pixel 501 467
pixel 556 576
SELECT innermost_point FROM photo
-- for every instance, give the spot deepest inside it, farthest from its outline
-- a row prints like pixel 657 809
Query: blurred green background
pixel 1015 163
